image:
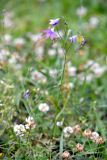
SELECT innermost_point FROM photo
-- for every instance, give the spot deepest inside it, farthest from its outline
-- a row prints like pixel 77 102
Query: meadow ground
pixel 53 80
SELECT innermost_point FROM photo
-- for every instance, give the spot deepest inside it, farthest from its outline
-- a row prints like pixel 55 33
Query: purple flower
pixel 73 39
pixel 26 94
pixel 80 39
pixel 49 33
pixel 54 22
pixel 83 41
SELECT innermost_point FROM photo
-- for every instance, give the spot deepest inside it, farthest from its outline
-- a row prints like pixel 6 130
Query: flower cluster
pixel 50 33
pixel 94 136
pixel 43 107
pixel 21 129
pixel 68 131
pixel 88 134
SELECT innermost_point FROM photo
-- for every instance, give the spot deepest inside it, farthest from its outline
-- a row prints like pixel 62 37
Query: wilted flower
pixel 79 147
pixel 99 140
pixel 61 52
pixel 30 123
pixel 54 22
pixel 19 129
pixel 76 128
pixel 49 33
pixel 65 155
pixel 43 107
pixel 67 86
pixel 87 133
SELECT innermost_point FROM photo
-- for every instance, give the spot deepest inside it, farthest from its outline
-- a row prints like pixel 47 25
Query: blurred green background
pixel 31 15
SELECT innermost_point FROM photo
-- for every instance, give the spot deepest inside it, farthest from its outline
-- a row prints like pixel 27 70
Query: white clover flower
pixel 7 38
pixel 19 129
pixel 72 71
pixel 39 52
pixel 88 78
pixel 61 52
pixel 53 73
pixel 19 41
pixel 7 19
pixel 81 11
pixel 30 123
pixel 94 136
pixel 68 131
pixel 29 119
pixel 38 76
pixel 4 53
pixel 51 52
pixel 34 37
pixel 99 71
pixel 93 21
pixel 59 123
pixel 43 107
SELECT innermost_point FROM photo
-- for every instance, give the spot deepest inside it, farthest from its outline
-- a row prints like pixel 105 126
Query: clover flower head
pixel 65 155
pixel 81 11
pixel 76 128
pixel 43 107
pixel 99 140
pixel 94 136
pixel 54 22
pixel 79 147
pixel 87 133
pixel 49 33
pixel 30 123
pixel 59 123
pixel 68 131
pixel 19 129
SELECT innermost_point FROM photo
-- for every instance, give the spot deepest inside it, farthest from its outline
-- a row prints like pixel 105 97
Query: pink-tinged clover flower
pixel 49 33
pixel 54 22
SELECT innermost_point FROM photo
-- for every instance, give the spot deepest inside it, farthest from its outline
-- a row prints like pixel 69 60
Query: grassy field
pixel 53 90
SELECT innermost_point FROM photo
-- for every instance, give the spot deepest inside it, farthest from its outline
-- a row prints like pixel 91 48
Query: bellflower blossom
pixel 73 39
pixel 79 39
pixel 54 22
pixel 49 33
pixel 26 94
